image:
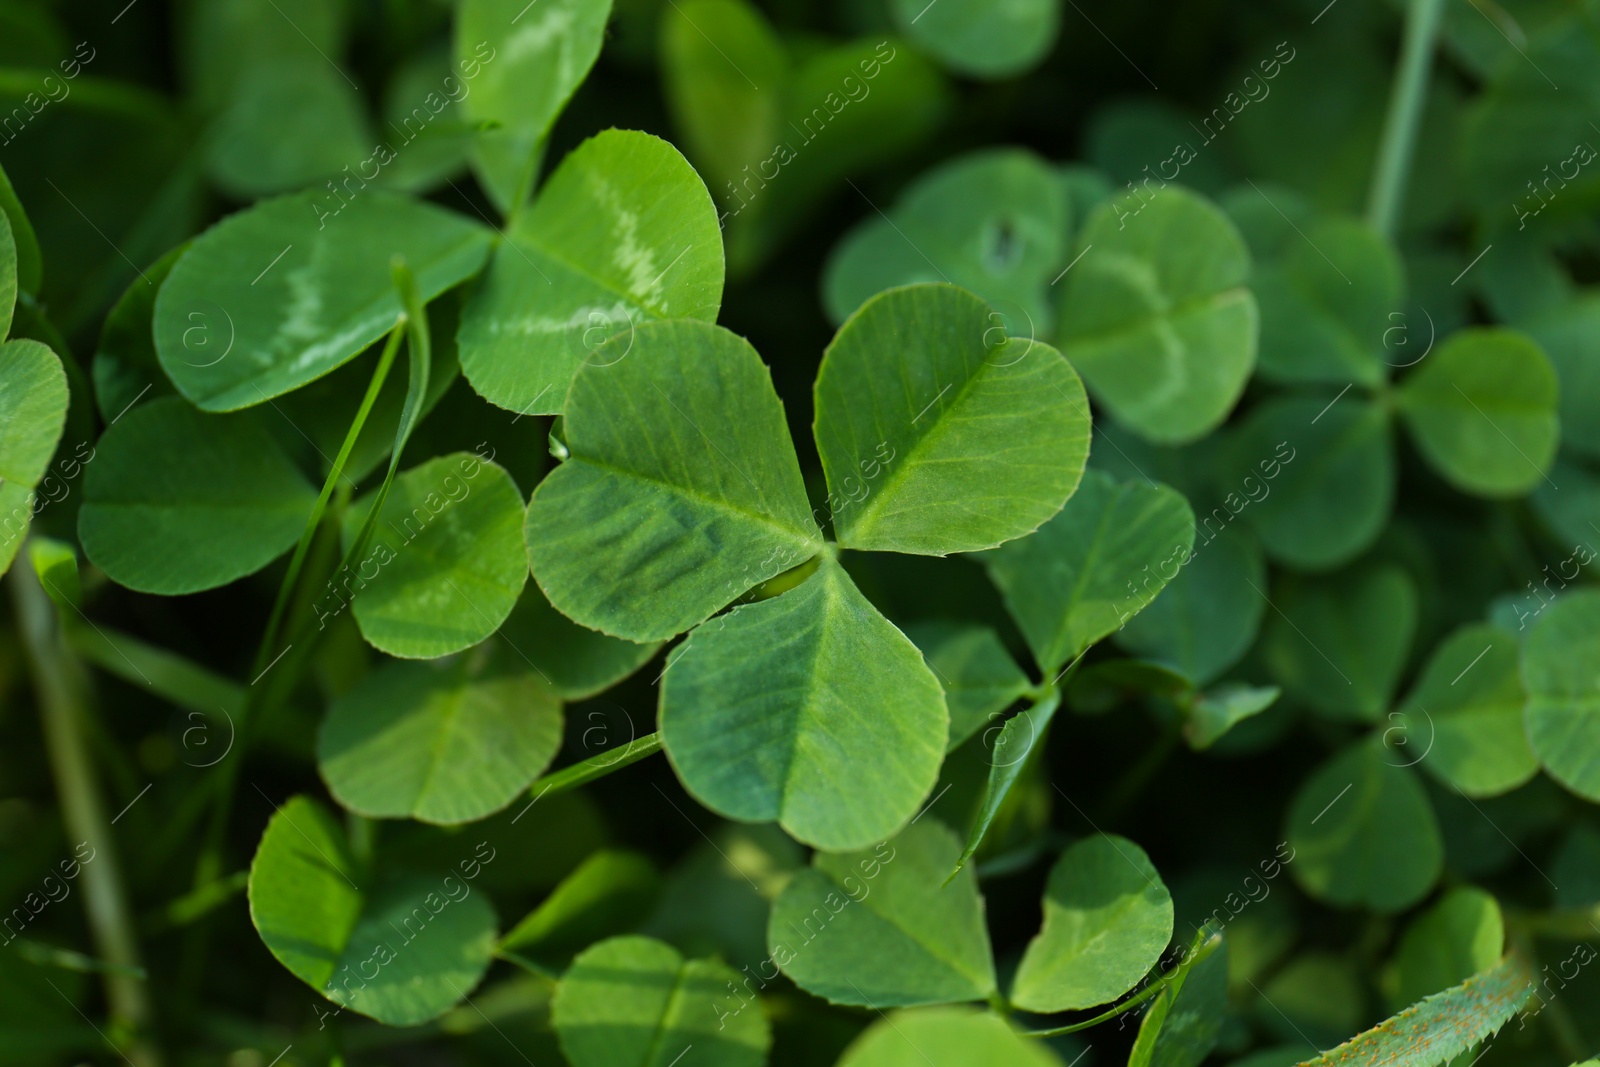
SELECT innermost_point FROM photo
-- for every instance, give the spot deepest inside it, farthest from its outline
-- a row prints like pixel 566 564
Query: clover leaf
pixel 760 714
pixel 1107 919
pixel 1106 555
pixel 636 1002
pixel 1565 333
pixel 695 511
pixel 1326 303
pixel 1563 710
pixel 8 276
pixel 944 1037
pixel 573 661
pixel 994 222
pixel 178 501
pixel 980 40
pixel 622 233
pixel 1483 410
pixel 326 918
pixel 440 742
pixel 526 64
pixel 1336 477
pixel 33 410
pixel 26 244
pixel 939 409
pixel 880 927
pixel 1340 643
pixel 1464 715
pixel 1363 832
pixel 775 129
pixel 1156 316
pixel 1461 935
pixel 978 675
pixel 447 561
pixel 284 292
pixel 1208 615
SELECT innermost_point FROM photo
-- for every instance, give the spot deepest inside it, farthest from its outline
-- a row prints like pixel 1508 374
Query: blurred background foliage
pixel 183 112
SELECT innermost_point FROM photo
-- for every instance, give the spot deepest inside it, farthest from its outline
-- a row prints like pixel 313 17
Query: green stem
pixel 1106 1016
pixel 1405 115
pixel 598 766
pixel 269 636
pixel 1205 943
pixel 62 685
pixel 259 701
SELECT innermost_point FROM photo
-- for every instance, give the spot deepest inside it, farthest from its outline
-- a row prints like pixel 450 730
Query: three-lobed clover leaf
pixel 281 293
pixel 636 1002
pixel 994 222
pixel 399 948
pixel 622 233
pixel 680 474
pixel 441 742
pixel 1156 316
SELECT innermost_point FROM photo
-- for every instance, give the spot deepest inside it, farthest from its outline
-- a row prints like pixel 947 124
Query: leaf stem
pixel 596 766
pixel 1405 115
pixel 269 635
pixel 1205 944
pixel 62 686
